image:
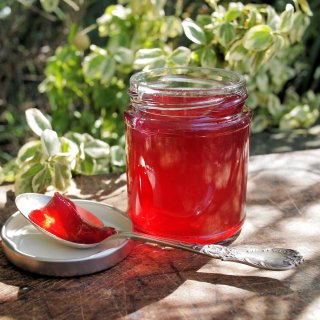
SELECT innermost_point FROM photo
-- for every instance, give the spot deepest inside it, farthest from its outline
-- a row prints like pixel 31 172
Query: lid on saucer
pixel 30 249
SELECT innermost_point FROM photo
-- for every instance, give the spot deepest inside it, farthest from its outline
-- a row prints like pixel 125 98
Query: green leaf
pixel 76 137
pixel 274 105
pixel 118 156
pixel 149 53
pixel 49 5
pixel 193 32
pixel 145 57
pixel 41 180
pixel 50 142
pixel 300 22
pixel 180 56
pixel 101 166
pixel 252 100
pixel 259 123
pixel 171 26
pixel 262 81
pixel 233 13
pixel 68 152
pixel 157 63
pixel 98 66
pixel 288 123
pixel 226 33
pixel 86 166
pixel 203 20
pixel 69 149
pixel 61 177
pixel 208 57
pixel 9 170
pixel 286 18
pixel 91 65
pixel 107 70
pixel 73 29
pixel 305 7
pixel 237 52
pixel 124 56
pixel 258 38
pixel 37 121
pixel 300 116
pixel 277 45
pixel 87 137
pixel 28 150
pixel 252 18
pixel 97 149
pixel 255 62
pixel 272 18
pixel 25 175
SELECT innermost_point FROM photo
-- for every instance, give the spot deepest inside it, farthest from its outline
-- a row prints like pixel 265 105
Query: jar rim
pixel 187 81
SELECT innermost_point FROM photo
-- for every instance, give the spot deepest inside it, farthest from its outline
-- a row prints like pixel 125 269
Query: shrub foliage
pixel 86 79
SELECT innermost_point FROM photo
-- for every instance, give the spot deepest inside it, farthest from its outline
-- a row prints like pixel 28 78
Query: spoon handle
pixel 279 259
pixel 264 258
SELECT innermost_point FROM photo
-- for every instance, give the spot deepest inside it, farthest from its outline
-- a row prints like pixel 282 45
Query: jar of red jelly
pixel 187 133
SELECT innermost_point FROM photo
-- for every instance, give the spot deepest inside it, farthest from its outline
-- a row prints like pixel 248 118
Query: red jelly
pixel 64 219
pixel 187 132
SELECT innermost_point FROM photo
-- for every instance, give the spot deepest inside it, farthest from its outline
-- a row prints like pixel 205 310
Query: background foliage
pixel 80 55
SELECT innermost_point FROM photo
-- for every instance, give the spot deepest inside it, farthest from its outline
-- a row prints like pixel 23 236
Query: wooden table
pixel 154 283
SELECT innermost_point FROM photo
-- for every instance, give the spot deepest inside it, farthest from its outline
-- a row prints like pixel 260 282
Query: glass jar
pixel 187 134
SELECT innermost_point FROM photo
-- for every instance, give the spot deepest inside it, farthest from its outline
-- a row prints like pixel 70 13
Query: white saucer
pixel 31 250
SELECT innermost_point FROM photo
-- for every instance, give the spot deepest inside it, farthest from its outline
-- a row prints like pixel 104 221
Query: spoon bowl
pixel 27 202
pixel 279 259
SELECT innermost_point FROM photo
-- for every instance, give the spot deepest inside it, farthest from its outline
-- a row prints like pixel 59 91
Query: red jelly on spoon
pixel 64 219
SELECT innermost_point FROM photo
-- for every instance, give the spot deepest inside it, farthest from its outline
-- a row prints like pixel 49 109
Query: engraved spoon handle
pixel 264 258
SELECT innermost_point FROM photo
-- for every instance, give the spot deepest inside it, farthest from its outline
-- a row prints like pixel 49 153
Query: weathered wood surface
pixel 153 283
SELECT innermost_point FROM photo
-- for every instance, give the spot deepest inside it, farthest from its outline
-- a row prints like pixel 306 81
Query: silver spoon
pixel 264 258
